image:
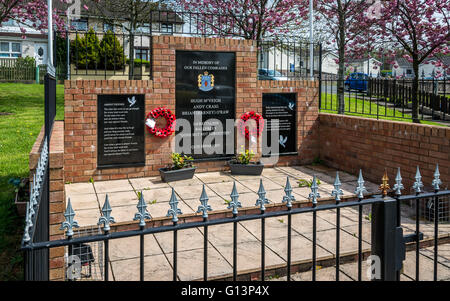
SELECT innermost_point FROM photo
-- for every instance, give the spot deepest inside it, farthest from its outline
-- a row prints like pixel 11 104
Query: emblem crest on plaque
pixel 205 81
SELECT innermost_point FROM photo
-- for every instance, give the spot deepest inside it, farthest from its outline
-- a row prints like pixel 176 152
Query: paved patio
pixel 87 199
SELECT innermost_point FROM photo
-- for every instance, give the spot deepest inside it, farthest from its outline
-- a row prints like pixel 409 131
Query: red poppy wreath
pixel 150 122
pixel 259 124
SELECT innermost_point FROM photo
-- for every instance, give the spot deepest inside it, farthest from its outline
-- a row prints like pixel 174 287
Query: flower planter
pixel 253 169
pixel 168 175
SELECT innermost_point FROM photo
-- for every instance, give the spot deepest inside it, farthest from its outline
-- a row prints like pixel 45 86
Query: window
pixel 107 27
pixel 10 49
pixel 167 28
pixel 10 23
pixel 142 54
pixel 145 28
pixel 80 24
pixel 408 71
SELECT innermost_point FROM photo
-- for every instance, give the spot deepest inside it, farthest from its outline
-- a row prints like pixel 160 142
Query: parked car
pixel 356 81
pixel 267 74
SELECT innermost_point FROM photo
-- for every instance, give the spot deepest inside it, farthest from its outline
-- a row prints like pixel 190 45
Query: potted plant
pixel 180 169
pixel 241 164
pixel 21 189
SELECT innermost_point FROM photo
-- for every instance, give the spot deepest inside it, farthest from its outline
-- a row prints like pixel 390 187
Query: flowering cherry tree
pixel 29 14
pixel 345 22
pixel 421 28
pixel 250 19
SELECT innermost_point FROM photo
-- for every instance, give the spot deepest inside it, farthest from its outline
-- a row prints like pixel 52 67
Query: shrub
pixel 111 52
pixel 139 62
pixel 245 157
pixel 86 50
pixel 181 161
pixel 25 62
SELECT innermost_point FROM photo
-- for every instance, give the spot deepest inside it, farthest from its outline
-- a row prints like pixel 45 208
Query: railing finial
pixel 288 198
pixel 436 181
pixel 70 222
pixel 28 224
pixel 417 186
pixel 337 191
pixel 384 187
pixel 142 213
pixel 106 219
pixel 174 210
pixel 204 207
pixel 360 189
pixel 398 187
pixel 262 200
pixel 234 203
pixel 314 195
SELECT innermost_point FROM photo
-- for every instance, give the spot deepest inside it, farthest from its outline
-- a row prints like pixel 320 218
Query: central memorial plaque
pixel 205 89
pixel 120 130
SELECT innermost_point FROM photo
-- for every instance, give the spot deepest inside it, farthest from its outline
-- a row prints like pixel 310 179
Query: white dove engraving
pixel 283 140
pixel 132 101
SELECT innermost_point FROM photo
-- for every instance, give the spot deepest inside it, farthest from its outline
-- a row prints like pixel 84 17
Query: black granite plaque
pixel 281 106
pixel 205 83
pixel 120 130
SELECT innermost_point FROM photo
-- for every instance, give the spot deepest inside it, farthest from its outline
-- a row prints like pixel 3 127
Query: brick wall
pixel 80 129
pixel 350 143
pixel 57 199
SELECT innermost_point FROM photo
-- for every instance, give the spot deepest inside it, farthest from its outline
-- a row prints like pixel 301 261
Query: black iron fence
pixel 387 242
pixel 119 52
pixel 388 98
pixel 38 208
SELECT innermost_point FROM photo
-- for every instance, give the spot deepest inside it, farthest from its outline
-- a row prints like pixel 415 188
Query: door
pixel 40 53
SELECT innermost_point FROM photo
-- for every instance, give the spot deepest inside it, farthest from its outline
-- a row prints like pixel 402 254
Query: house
pixel 329 63
pixel 14 43
pixel 289 58
pixel 370 66
pixel 164 21
pixel 33 43
pixel 403 68
pixel 427 69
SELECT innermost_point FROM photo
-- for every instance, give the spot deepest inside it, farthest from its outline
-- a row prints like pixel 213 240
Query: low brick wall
pixel 350 143
pixel 57 198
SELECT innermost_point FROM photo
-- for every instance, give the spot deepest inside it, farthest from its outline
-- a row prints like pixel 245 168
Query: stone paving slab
pixel 84 201
pixel 79 188
pixel 156 268
pixel 125 248
pixel 148 183
pixel 249 255
pixel 113 186
pixel 190 264
pixel 189 239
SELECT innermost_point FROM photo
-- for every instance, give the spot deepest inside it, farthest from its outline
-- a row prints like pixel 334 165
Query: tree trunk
pixel 415 90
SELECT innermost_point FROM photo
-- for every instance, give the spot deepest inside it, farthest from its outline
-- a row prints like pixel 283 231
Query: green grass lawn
pixel 21 119
pixel 362 108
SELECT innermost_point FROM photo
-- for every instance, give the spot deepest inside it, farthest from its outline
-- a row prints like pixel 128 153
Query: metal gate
pixel 388 244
